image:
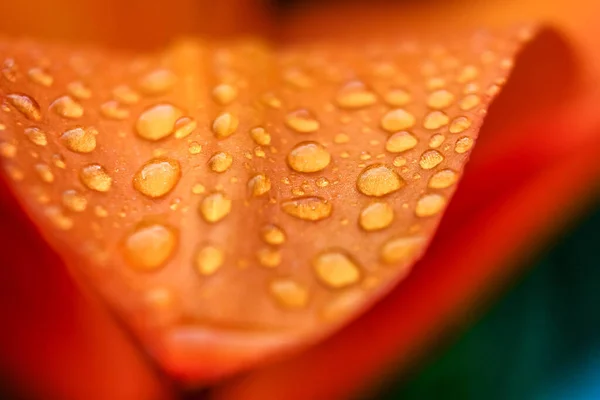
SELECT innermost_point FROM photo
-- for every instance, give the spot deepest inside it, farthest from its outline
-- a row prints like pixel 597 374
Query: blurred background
pixel 539 340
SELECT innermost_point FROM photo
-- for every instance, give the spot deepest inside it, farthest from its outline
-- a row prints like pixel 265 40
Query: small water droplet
pixel 378 180
pixel 79 90
pixel 271 100
pixel 209 259
pixel 355 95
pixel 401 250
pixel 435 120
pixel 260 136
pixel 341 138
pixel 440 99
pixel 95 177
pixel 430 159
pixel 125 95
pixel 184 126
pixel 44 172
pixel 80 140
pixel 36 136
pixel 157 82
pixel 58 218
pixel 74 200
pixel 41 77
pixel 307 208
pixel 336 269
pixel 298 78
pixel 463 144
pixel 113 110
pixel 273 235
pixel 259 184
pixel 157 177
pixel 376 216
pixel 322 182
pixel 289 293
pixel 215 207
pixel 198 188
pixel 397 120
pixel 157 122
pixel 224 94
pixel 225 125
pixel 397 97
pixel 467 74
pixel 25 105
pixel 59 161
pixel 469 102
pixel 220 162
pixel 100 211
pixel 67 107
pixel 302 121
pixel 308 157
pixel 195 148
pixel 399 161
pixel 269 258
pixel 400 142
pixel 430 204
pixel 150 246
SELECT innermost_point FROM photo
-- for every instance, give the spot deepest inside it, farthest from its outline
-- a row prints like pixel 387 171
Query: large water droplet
pixel 336 269
pixel 289 293
pixel 459 124
pixel 157 82
pixel 25 105
pixel 272 234
pixel 259 184
pixel 443 179
pixel 157 177
pixel 354 95
pixel 150 246
pixel 376 216
pixel 260 136
pixel 36 136
pixel 209 259
pixel 397 120
pixel 430 159
pixel 224 94
pixel 308 208
pixel 435 120
pixel 215 207
pixel 309 157
pixel 469 102
pixel 80 140
pixel 225 125
pixel 220 162
pixel 400 142
pixel 95 177
pixel 67 107
pixel 41 77
pixel 74 200
pixel 403 249
pixel 440 99
pixel 184 126
pixel 378 180
pixel 430 204
pixel 157 122
pixel 463 144
pixel 302 121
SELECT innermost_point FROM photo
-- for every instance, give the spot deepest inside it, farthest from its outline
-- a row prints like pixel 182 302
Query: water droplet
pixel 436 140
pixel 302 121
pixel 58 218
pixel 157 122
pixel 220 162
pixel 14 172
pixel 25 105
pixel 435 83
pixel 435 120
pixel 397 120
pixel 297 78
pixel 225 125
pixel 459 124
pixel 44 173
pixel 36 136
pixel 443 179
pixel 78 90
pixel 289 293
pixel 100 211
pixel 378 180
pixel 355 95
pixel 399 161
pixel 397 97
pixel 322 182
pixel 341 138
pixel 308 157
pixel 224 94
pixel 74 201
pixel 376 216
pixel 112 110
pixel 157 82
pixel 80 140
pixel 125 95
pixel 184 126
pixel 260 136
pixel 209 259
pixel 469 102
pixel 9 70
pixel 67 107
pixel 8 150
pixel 271 100
pixel 157 177
pixel 150 246
pixel 259 184
pixel 400 141
pixel 430 204
pixel 430 159
pixel 195 148
pixel 336 269
pixel 59 161
pixel 440 99
pixel 95 177
pixel 198 188
pixel 273 235
pixel 401 250
pixel 41 77
pixel 215 207
pixel 467 74
pixel 268 257
pixel 463 144
pixel 307 208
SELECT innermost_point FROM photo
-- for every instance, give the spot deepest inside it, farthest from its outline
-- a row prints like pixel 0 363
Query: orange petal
pixel 232 211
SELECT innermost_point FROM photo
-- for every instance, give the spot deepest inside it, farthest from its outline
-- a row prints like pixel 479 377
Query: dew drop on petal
pixel 80 140
pixel 95 177
pixel 289 293
pixel 157 177
pixel 430 204
pixel 259 184
pixel 443 179
pixel 376 216
pixel 67 107
pixel 459 124
pixel 208 259
pixel 336 270
pixel 26 105
pixel 36 136
pixel 113 110
pixel 220 162
pixel 74 200
pixel 260 136
pixel 430 159
pixel 302 121
pixel 355 95
pixel 310 208
pixel 157 122
pixel 435 120
pixel 440 99
pixel 273 234
pixel 225 125
pixel 397 120
pixel 400 142
pixel 308 157
pixel 149 247
pixel 269 257
pixel 463 144
pixel 224 94
pixel 157 82
pixel 378 180
pixel 184 126
pixel 215 207
pixel 401 250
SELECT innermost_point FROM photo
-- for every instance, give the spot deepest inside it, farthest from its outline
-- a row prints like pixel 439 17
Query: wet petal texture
pixel 234 201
